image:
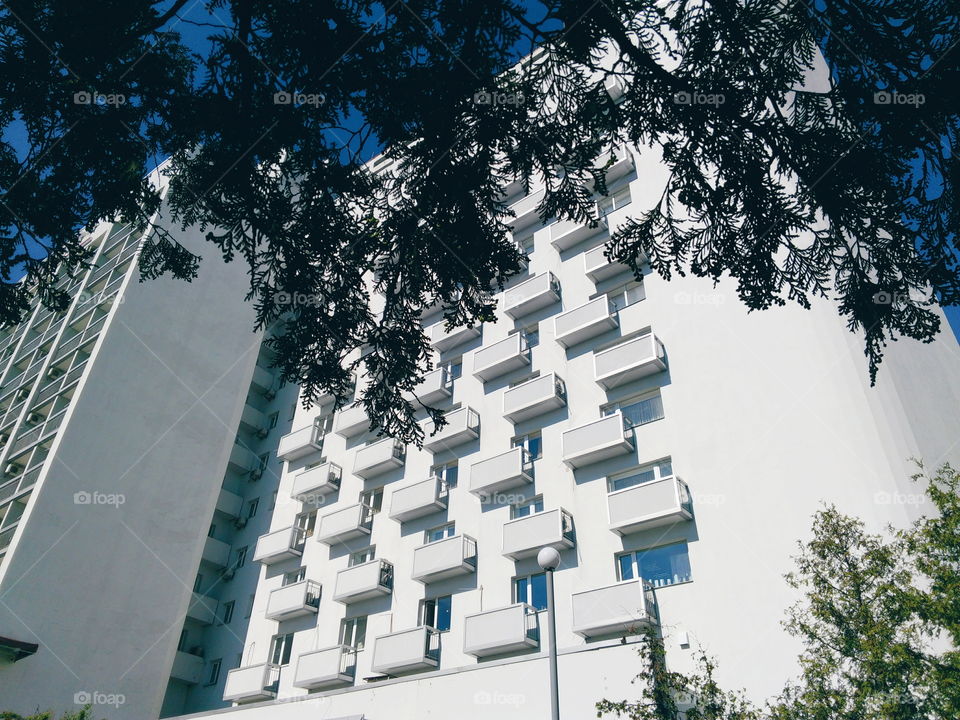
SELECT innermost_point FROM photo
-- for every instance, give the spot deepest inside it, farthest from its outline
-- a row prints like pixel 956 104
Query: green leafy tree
pixel 794 192
pixel 83 714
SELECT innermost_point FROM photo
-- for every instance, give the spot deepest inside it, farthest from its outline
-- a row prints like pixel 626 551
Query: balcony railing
pixel 524 536
pixel 294 600
pixel 463 425
pixel 216 552
pixel 406 651
pixel 630 360
pixel 564 234
pixel 585 322
pixel 351 421
pixel 187 668
pixel 362 582
pixel 350 522
pixel 510 469
pixel 252 683
pixel 326 668
pixel 501 357
pixel 534 294
pixel 280 545
pixel 242 459
pixel 442 339
pixel 596 441
pixel 525 210
pixel 597 267
pixel 417 500
pixel 202 609
pixel 534 397
pixel 505 630
pixel 650 504
pixel 445 558
pixel 229 503
pixel 300 443
pixel 313 484
pixel 379 457
pixel 623 608
pixel 437 385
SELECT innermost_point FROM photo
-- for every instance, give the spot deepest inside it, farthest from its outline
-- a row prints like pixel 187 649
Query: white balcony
pixel 615 86
pixel 316 482
pixel 252 683
pixel 500 358
pixel 406 651
pixel 417 500
pixel 351 522
pixel 463 425
pixel 623 608
pixel 585 322
pixel 296 600
pixel 351 421
pixel 649 504
pixel 597 267
pixel 442 339
pixel 505 471
pixel 330 667
pixel 300 443
pixel 597 440
pixel 525 211
pixel 524 536
pixel 362 582
pixel 202 609
pixel 437 385
pixel 379 457
pixel 230 504
pixel 538 292
pixel 216 552
pixel 500 631
pixel 280 545
pixel 564 234
pixel 187 668
pixel 534 397
pixel 623 163
pixel 445 558
pixel 630 360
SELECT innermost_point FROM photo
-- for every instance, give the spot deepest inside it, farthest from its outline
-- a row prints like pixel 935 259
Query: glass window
pixel 372 498
pixel 212 531
pixel 435 612
pixel 439 533
pixel 264 460
pixel 307 522
pixel 619 199
pixel 282 647
pixel 361 556
pixel 353 631
pixel 252 506
pixel 250 600
pixel 226 613
pixel 274 418
pixel 454 368
pixel 648 473
pixel 531 442
pixel 659 566
pixel 532 335
pixel 532 590
pixel 214 675
pixel 241 557
pixel 198 581
pixel 447 473
pixel 294 576
pixel 638 411
pixel 626 295
pixel 528 507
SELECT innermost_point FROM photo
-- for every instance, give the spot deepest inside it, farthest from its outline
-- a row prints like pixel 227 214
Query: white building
pixel 647 430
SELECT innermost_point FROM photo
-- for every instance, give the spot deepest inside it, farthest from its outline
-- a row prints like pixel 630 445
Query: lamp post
pixel 549 560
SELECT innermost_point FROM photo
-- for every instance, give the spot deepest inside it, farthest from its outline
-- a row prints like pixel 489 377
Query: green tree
pixel 793 192
pixel 878 619
pixel 83 714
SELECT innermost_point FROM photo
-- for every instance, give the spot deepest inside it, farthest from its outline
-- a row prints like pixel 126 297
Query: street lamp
pixel 549 560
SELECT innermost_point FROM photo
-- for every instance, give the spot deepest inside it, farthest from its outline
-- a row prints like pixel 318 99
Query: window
pixel 250 600
pixel 626 295
pixel 252 506
pixel 638 411
pixel 525 242
pixel 293 411
pixel 619 199
pixel 273 419
pixel 307 521
pixel 454 368
pixel 241 557
pixel 372 498
pixel 263 461
pixel 212 530
pixel 361 556
pixel 182 642
pixel 435 612
pixel 531 442
pixel 281 649
pixel 659 566
pixel 353 631
pixel 226 612
pixel 294 576
pixel 214 675
pixel 528 507
pixel 439 533
pixel 647 473
pixel 531 334
pixel 324 424
pixel 273 500
pixel 447 473
pixel 197 582
pixel 532 590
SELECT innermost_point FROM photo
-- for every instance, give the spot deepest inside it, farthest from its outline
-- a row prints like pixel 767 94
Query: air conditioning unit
pixel 228 573
pixel 256 473
pixel 240 523
pixel 263 432
pixel 270 393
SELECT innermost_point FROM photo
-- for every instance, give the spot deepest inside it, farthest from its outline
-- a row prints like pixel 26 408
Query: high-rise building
pixel 671 446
